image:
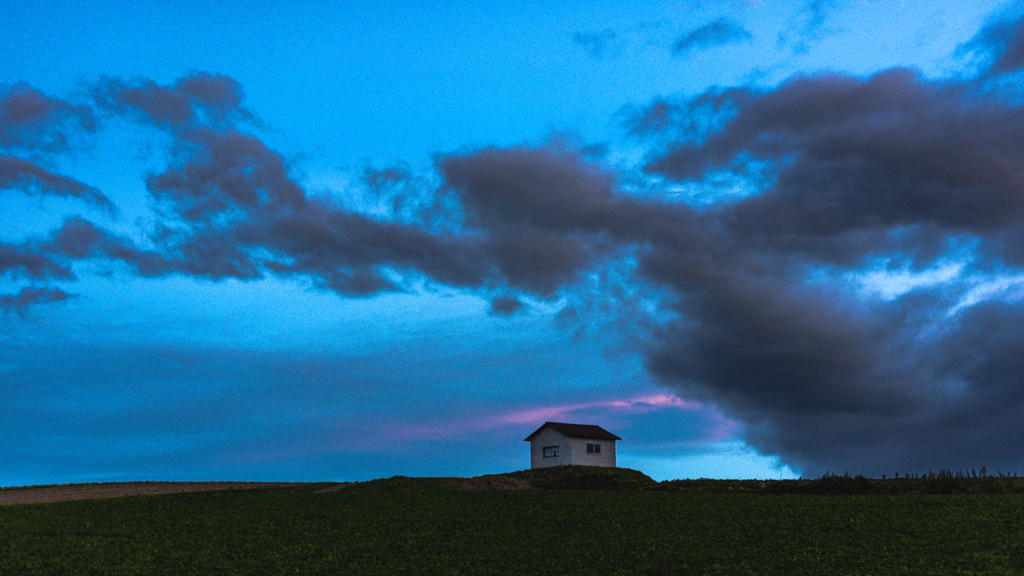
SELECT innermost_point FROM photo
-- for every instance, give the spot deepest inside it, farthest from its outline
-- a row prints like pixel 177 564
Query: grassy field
pixel 426 526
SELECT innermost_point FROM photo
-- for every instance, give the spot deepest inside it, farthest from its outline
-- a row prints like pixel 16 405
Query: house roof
pixel 576 431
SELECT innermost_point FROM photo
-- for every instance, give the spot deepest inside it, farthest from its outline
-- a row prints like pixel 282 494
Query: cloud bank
pixel 765 304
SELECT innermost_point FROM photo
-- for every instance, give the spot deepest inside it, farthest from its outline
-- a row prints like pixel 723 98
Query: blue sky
pixel 351 240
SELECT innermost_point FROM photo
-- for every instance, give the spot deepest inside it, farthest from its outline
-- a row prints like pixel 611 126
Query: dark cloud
pixel 720 32
pixel 411 197
pixel 200 99
pixel 846 174
pixel 33 124
pixel 656 118
pixel 350 253
pixel 547 215
pixel 241 212
pixel 600 44
pixel 960 400
pixel 79 239
pixel 826 380
pixel 26 297
pixel 27 260
pixel 505 306
pixel 678 122
pixel 32 121
pixel 221 224
pixel 538 209
pixel 895 152
pixel 231 208
pixel 226 174
pixel 16 173
pixel 1000 44
pixel 535 187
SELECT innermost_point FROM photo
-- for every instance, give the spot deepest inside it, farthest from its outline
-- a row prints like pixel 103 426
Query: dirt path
pixel 113 489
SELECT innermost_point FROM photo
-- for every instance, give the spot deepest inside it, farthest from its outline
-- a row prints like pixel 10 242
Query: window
pixel 593 448
pixel 551 451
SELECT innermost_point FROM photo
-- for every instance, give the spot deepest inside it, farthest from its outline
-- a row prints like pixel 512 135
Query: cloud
pixel 505 306
pixel 199 99
pixel 33 122
pixel 80 239
pixel 16 173
pixel 1000 44
pixel 599 45
pixel 26 297
pixel 27 260
pixel 718 33
pixel 239 216
pixel 845 176
pixel 232 209
pixel 229 207
pixel 537 210
pixel 834 141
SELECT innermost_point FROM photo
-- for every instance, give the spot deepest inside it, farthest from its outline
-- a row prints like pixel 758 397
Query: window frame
pixel 593 449
pixel 549 451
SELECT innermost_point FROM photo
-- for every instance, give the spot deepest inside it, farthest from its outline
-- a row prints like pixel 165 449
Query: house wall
pixel 570 450
pixel 551 437
pixel 580 456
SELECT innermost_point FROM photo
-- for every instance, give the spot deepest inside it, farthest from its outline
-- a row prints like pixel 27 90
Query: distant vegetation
pixel 943 482
pixel 576 520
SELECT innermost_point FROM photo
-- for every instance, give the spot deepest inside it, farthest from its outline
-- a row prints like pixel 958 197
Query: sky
pixel 343 241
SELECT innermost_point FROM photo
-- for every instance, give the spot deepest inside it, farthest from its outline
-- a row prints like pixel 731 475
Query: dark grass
pixel 419 526
pixel 942 482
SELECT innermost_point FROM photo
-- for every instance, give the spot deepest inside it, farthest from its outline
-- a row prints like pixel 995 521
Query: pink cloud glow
pixel 636 405
pixel 390 433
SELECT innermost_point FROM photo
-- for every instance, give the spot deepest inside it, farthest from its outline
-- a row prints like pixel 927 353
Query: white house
pixel 559 444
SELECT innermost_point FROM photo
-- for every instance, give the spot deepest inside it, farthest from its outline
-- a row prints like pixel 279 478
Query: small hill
pixel 552 478
pixel 582 478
